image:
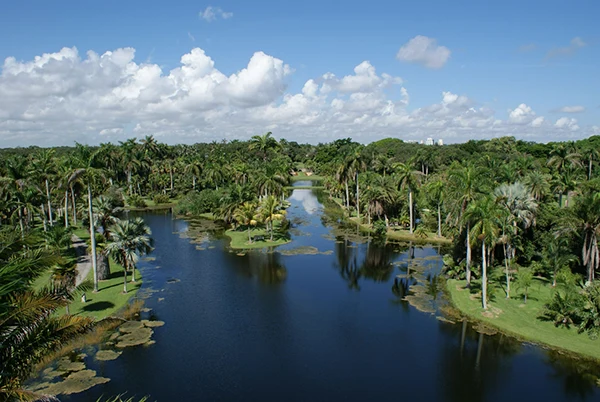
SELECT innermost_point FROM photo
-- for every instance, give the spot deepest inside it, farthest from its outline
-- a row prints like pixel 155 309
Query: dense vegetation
pixel 517 213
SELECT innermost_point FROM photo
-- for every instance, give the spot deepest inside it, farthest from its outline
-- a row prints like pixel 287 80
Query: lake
pixel 319 319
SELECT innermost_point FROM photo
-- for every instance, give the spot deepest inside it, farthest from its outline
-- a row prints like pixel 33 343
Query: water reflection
pixel 307 198
pixel 266 267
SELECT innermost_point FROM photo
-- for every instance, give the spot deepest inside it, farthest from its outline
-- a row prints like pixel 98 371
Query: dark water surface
pixel 324 327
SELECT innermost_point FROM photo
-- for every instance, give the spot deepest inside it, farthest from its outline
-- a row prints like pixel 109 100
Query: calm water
pixel 267 326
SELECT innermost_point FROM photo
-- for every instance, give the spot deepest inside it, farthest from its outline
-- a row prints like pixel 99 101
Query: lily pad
pixel 134 338
pixel 153 324
pixel 65 365
pixel 130 326
pixel 104 355
pixel 74 383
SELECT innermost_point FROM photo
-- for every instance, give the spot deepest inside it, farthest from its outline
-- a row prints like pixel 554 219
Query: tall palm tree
pixel 245 215
pixel 557 255
pixel 355 164
pixel 15 180
pixel 44 168
pixel 436 192
pixel 263 144
pixel 520 212
pixel 194 168
pixel 408 180
pixel 129 239
pixel 538 183
pixel 342 174
pixel 271 210
pixel 130 160
pixel 486 217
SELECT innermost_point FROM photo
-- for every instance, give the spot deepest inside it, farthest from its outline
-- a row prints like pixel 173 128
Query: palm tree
pixel 271 210
pixel 16 181
pixel 245 215
pixel 193 167
pixel 585 222
pixel 105 215
pixel 593 154
pixel 485 215
pixel 538 183
pixel 408 180
pixel 436 191
pixel 563 156
pixel 263 144
pixel 130 160
pixel 30 329
pixel 557 255
pixel 342 174
pixel 520 211
pixel 465 183
pixel 129 239
pixel 43 169
pixel 355 163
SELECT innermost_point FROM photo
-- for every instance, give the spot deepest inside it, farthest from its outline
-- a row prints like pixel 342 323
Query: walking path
pixel 84 260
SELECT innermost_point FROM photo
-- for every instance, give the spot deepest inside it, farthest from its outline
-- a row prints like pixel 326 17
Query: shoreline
pixel 543 333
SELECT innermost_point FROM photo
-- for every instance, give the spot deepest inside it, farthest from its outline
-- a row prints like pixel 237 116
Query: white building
pixel 429 141
pixel 440 142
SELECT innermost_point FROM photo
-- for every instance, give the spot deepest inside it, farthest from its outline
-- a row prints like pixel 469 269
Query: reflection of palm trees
pixel 347 264
pixel 377 263
pixel 266 267
pixel 576 374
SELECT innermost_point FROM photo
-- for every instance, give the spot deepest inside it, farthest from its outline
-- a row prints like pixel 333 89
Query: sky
pixel 309 71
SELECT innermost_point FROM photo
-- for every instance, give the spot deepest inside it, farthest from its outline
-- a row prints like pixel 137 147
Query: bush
pixel 198 203
pixel 115 196
pixel 137 201
pixel 380 228
pixel 161 199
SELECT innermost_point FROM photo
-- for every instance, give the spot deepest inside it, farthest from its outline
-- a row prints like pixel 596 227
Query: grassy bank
pixel 303 176
pixel 239 238
pixel 520 319
pixel 151 205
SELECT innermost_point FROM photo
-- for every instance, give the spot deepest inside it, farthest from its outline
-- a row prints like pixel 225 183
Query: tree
pixel 245 215
pixel 263 144
pixel 43 169
pixel 271 210
pixel 29 328
pixel 538 183
pixel 524 281
pixel 105 215
pixel 520 208
pixel 355 164
pixel 485 215
pixel 436 192
pixel 556 255
pixel 408 180
pixel 129 239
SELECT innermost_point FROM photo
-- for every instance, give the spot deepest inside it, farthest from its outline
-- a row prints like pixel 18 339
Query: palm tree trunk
pixel 468 255
pixel 357 200
pixel 439 221
pixel 125 278
pixel 590 168
pixel 133 273
pixel 93 238
pixel 194 182
pixel 171 174
pixel 129 181
pixel 410 210
pixel 271 222
pixel 44 218
pixel 49 203
pixel 67 208
pixel 506 271
pixel 347 196
pixel 483 276
pixel 20 218
pixel 249 238
pixel 74 207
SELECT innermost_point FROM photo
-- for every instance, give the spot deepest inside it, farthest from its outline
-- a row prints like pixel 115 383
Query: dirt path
pixel 84 260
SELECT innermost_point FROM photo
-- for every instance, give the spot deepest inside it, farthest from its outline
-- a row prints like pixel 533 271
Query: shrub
pixel 198 203
pixel 380 228
pixel 115 196
pixel 137 201
pixel 161 199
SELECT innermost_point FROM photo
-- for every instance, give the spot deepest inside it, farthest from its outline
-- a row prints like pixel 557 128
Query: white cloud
pixel 571 109
pixel 575 44
pixel 58 98
pixel 565 122
pixel 211 13
pixel 425 51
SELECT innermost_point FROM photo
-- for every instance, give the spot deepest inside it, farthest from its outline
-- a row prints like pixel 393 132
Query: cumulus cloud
pixel 565 122
pixel 425 51
pixel 62 97
pixel 564 51
pixel 571 109
pixel 211 13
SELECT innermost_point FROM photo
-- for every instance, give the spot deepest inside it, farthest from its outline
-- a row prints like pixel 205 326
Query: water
pixel 266 326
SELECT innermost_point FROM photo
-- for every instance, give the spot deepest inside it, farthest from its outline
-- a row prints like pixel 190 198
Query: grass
pixel 303 187
pixel 405 235
pixel 239 238
pixel 109 299
pixel 514 317
pixel 150 205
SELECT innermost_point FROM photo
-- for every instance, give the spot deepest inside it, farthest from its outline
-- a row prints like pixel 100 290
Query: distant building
pixel 429 141
pixel 421 142
pixel 440 142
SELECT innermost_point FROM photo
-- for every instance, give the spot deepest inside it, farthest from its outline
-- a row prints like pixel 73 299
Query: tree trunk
pixel 439 221
pixel 194 182
pixel 66 208
pixel 507 273
pixel 479 349
pixel 357 200
pixel 103 265
pixel 171 174
pixel 271 222
pixel 590 168
pixel 125 278
pixel 129 182
pixel 93 238
pixel 347 197
pixel 133 273
pixel 44 218
pixel 410 210
pixel 468 256
pixel 483 276
pixel 49 203
pixel 249 238
pixel 74 207
pixel 21 218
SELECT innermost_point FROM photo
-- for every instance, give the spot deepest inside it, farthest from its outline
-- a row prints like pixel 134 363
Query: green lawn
pixel 515 317
pixel 239 238
pixel 405 235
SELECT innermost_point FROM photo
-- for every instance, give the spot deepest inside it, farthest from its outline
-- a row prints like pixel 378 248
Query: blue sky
pixel 543 54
